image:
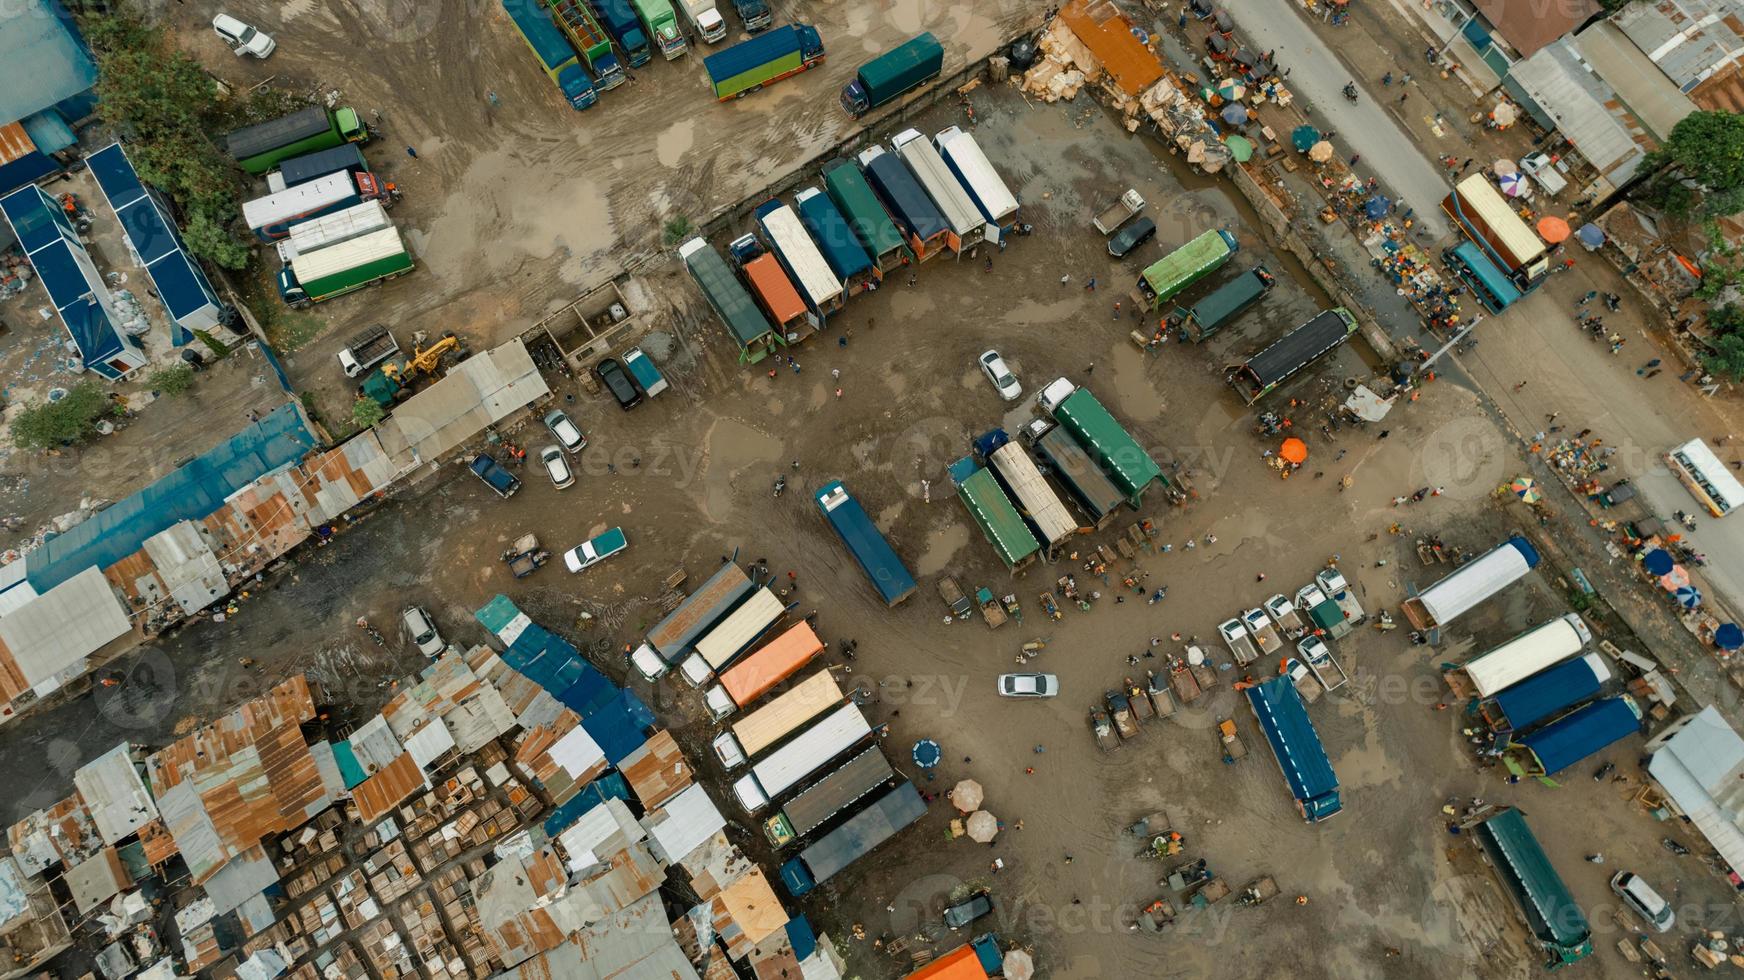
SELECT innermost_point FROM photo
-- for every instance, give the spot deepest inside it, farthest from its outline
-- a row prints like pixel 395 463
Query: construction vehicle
pixel 396 378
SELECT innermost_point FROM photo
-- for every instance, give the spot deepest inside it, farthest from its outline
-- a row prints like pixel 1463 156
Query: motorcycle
pixel 1350 92
pixel 1688 521
pixel 1673 846
pixel 1603 771
pixel 780 485
pixel 374 633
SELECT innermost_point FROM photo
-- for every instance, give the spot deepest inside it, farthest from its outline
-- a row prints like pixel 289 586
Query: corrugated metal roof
pixel 474 712
pixel 606 828
pixel 69 622
pixel 481 390
pixel 61 834
pixel 1724 91
pixel 683 824
pixel 244 877
pixel 746 913
pixel 656 771
pixel 1529 27
pixel 1108 35
pixel 187 566
pixel 1636 79
pixel 374 744
pixel 14 899
pixel 514 928
pixel 115 794
pixel 1690 40
pixel 42 59
pixel 1699 767
pixel 1586 110
pixel 14 143
pixel 386 789
pixel 95 881
pixel 635 942
pixel 715 865
pixel 429 744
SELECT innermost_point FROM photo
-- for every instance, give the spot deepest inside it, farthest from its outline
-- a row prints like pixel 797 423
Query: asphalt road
pixel 1366 128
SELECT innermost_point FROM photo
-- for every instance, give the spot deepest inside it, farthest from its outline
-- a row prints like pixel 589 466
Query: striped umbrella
pixel 1513 185
pixel 1688 597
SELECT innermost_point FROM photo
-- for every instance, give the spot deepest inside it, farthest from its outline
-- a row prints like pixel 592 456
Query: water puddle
pixel 941 546
pixel 730 448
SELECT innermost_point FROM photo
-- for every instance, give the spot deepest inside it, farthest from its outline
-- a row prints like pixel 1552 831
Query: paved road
pixel 1367 128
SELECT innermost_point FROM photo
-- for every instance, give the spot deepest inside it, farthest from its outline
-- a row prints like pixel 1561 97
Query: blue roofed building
pixel 47 78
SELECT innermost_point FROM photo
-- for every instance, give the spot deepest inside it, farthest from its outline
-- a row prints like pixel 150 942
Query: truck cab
pixel 755 14
pixel 706 19
pixel 577 87
pixel 648 663
pixel 1236 638
pixel 1057 391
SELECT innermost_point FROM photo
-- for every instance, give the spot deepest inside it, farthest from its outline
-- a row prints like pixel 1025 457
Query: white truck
pixel 804 754
pixel 1283 613
pixel 705 18
pixel 1306 683
pixel 1236 638
pixel 1110 218
pixel 1332 582
pixel 370 347
pixel 1320 660
pixel 1261 628
pixel 1322 613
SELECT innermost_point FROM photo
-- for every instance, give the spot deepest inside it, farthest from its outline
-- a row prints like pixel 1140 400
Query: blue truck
pixel 1546 694
pixel 556 58
pixel 877 559
pixel 853 840
pixel 486 468
pixel 835 238
pixel 1284 719
pixel 641 368
pixel 1579 734
pixel 621 20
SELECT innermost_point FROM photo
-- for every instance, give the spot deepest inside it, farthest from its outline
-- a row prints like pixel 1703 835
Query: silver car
pixel 241 38
pixel 994 367
pixel 422 630
pixel 1028 685
pixel 557 467
pixel 565 431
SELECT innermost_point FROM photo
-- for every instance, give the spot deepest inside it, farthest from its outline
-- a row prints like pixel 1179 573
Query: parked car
pixel 1003 382
pixel 1028 685
pixel 241 38
pixel 1131 236
pixel 617 381
pixel 967 911
pixel 595 550
pixel 557 467
pixel 485 467
pixel 422 631
pixel 1643 900
pixel 565 431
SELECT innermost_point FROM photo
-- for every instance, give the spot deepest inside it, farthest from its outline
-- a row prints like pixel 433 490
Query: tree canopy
pixel 1707 147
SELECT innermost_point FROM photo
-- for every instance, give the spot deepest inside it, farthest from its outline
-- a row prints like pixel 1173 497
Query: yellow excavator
pixel 424 360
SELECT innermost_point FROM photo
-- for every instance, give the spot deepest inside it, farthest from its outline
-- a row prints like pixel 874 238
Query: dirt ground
pixel 688 476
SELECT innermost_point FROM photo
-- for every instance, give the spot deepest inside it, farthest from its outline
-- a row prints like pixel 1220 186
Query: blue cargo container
pixel 877 559
pixel 1567 741
pixel 309 166
pixel 622 21
pixel 1546 694
pixel 1284 720
pixel 835 238
pixel 915 214
pixel 863 832
pixel 556 58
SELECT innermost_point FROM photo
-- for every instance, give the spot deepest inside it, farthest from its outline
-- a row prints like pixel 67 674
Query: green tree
pixel 366 412
pixel 1728 319
pixel 1708 148
pixel 176 379
pixel 1728 356
pixel 70 420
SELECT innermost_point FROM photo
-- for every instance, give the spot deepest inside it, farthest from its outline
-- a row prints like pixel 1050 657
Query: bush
pixel 677 229
pixel 366 412
pixel 173 380
pixel 63 423
pixel 1728 357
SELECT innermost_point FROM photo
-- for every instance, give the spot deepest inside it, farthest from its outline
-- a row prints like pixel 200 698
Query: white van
pixel 1643 900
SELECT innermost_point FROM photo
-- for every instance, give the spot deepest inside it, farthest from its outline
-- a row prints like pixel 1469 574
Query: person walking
pixel 1090 286
pixel 1403 96
pixel 1354 157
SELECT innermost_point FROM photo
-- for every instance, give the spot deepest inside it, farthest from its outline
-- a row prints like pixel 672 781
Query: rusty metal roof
pixel 1108 35
pixel 746 913
pixel 657 771
pixel 380 793
pixel 14 143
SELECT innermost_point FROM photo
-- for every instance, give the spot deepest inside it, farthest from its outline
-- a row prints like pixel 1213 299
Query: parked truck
pixel 798 758
pixel 642 369
pixel 755 674
pixel 773 722
pixel 325 273
pixel 620 19
pixel 755 15
pixel 271 217
pixel 672 637
pixel 661 23
pixel 368 348
pixel 1174 273
pixel 829 796
pixel 556 58
pixel 1235 636
pixel 893 73
pixel 309 166
pixel 1475 581
pixel 262 146
pixel 1323 614
pixel 1077 411
pixel 1283 720
pixel 1097 496
pixel 1484 216
pixel 763 60
pixel 1225 303
pixel 1260 628
pixel 331 229
pixel 880 821
pixel 591 40
pixel 1283 613
pixel 1262 373
pixel 1307 685
pixel 1331 582
pixel 703 16
pixel 503 483
pixel 870 550
pixel 1110 218
pixel 1319 657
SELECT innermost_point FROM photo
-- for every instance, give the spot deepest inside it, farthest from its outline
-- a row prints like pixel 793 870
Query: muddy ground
pixel 688 476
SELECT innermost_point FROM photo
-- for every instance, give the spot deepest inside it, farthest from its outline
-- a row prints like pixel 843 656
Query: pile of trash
pixel 1064 66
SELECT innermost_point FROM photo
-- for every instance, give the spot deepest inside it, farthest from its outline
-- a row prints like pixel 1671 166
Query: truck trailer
pixel 1262 373
pixel 1042 508
pixel 309 166
pixel 1225 303
pixel 800 757
pixel 853 840
pixel 556 58
pixel 907 203
pixel 847 186
pixel 732 636
pixel 1088 484
pixel 325 273
pixel 1479 579
pixel 797 254
pixel 620 19
pixel 1171 275
pixel 829 229
pixel 893 73
pixel 745 67
pixel 262 146
pixel 724 590
pixel 995 201
pixel 1578 735
pixel 738 313
pixel 1558 927
pixel 331 229
pixel 1484 216
pixel 775 294
pixel 661 23
pixel 781 717
pixel 993 513
pixel 1297 748
pixel 832 794
pixel 1546 694
pixel 962 217
pixel 271 217
pixel 589 38
pixel 863 540
pixel 1522 657
pixel 754 675
pixel 1126 462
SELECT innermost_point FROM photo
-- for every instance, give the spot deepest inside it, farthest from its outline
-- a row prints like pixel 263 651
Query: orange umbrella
pixel 1293 451
pixel 1553 229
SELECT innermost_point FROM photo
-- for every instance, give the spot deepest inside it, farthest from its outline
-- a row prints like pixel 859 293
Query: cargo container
pixel 1578 735
pixel 731 636
pixel 829 229
pixel 1296 746
pixel 699 612
pixel 1261 374
pixel 1553 917
pixel 995 201
pixel 302 169
pixel 346 267
pixel 993 512
pixel 853 840
pixel 1225 303
pixel 1485 217
pixel 847 187
pixel 556 58
pixel 1096 494
pixel 907 203
pixel 1477 580
pixel 874 554
pixel 745 67
pixel 805 265
pixel 962 217
pixel 893 73
pixel 1172 274
pixel 1546 694
pixel 1113 448
pixel 1036 501
pixel 331 229
pixel 620 19
pixel 776 295
pixel 832 794
pixel 800 757
pixel 661 23
pixel 781 717
pixel 271 217
pixel 262 146
pixel 1525 655
pixel 589 38
pixel 754 675
pixel 748 327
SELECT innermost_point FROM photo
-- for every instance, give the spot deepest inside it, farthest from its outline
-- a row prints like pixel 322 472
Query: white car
pixel 422 629
pixel 242 38
pixel 557 467
pixel 1296 670
pixel 595 550
pixel 565 431
pixel 1028 685
pixel 994 367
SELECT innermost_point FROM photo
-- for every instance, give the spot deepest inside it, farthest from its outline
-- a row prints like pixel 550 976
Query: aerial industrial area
pixel 768 489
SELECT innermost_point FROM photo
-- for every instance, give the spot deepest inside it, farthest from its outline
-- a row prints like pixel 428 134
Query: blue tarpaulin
pixel 620 727
pixel 610 786
pixel 350 770
pixel 1564 743
pixel 1550 691
pixel 1284 720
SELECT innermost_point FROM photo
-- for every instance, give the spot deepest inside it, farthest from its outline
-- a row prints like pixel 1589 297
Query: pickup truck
pixel 1106 740
pixel 1332 582
pixel 1233 746
pixel 1257 624
pixel 1283 613
pixel 642 369
pixel 1322 613
pixel 953 597
pixel 1238 641
pixel 1110 218
pixel 1306 683
pixel 1121 711
pixel 485 467
pixel 596 549
pixel 369 348
pixel 1320 660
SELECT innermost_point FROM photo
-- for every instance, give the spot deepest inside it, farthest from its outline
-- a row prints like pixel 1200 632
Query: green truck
pixel 1172 274
pixel 1127 464
pixel 591 40
pixel 1225 303
pixel 262 146
pixel 847 186
pixel 893 73
pixel 661 22
pixel 745 67
pixel 738 312
pixel 343 267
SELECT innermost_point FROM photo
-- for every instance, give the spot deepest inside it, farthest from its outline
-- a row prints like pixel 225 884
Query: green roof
pixel 1551 912
pixel 847 186
pixel 998 519
pixel 1186 265
pixel 1126 462
pixel 727 296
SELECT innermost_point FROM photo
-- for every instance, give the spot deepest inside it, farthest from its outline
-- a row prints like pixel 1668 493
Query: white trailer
pixel 331 229
pixel 272 217
pixel 731 636
pixel 771 723
pixel 963 155
pixel 1478 580
pixel 806 753
pixel 1520 658
pixel 799 255
pixel 968 228
pixel 1034 497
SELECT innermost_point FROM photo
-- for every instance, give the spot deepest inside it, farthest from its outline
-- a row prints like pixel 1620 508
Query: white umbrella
pixel 967 796
pixel 1502 167
pixel 1513 185
pixel 1505 114
pixel 1320 152
pixel 1018 965
pixel 983 827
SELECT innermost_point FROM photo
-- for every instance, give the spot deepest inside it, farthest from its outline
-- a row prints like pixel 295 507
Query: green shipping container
pixel 847 186
pixel 1108 442
pixel 1170 275
pixel 339 269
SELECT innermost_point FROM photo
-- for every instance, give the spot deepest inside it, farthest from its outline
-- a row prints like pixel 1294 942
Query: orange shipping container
pixel 769 281
pixel 752 677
